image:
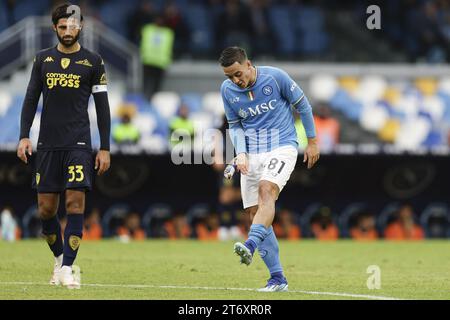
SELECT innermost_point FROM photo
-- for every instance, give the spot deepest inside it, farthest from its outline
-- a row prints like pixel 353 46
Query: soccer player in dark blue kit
pixel 66 75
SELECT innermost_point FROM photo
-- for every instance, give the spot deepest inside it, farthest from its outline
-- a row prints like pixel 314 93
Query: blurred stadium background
pixel 381 100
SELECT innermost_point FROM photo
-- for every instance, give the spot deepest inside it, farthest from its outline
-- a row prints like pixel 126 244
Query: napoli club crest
pixel 267 90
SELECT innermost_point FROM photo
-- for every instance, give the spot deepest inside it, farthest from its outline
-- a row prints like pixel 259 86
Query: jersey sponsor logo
pixel 49 59
pixel 242 113
pixel 63 80
pixel 262 108
pixel 293 86
pixel 267 90
pixel 74 242
pixel 234 100
pixel 65 63
pixel 103 79
pixel 84 62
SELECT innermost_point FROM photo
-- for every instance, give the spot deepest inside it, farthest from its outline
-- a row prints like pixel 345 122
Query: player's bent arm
pixel 304 108
pixel 237 137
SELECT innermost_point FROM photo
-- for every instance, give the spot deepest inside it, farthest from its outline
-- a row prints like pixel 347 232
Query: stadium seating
pixel 154 217
pixel 113 217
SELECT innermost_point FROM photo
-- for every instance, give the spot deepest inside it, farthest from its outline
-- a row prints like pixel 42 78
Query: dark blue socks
pixel 52 232
pixel 72 237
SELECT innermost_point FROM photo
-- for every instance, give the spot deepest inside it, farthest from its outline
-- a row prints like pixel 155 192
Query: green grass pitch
pixel 177 270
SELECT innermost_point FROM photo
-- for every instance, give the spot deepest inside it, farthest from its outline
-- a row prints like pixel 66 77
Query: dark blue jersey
pixel 66 82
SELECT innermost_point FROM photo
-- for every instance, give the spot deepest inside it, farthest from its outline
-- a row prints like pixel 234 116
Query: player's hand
pixel 102 161
pixel 242 163
pixel 312 152
pixel 24 148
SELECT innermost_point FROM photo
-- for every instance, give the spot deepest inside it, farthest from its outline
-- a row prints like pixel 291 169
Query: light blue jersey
pixel 264 111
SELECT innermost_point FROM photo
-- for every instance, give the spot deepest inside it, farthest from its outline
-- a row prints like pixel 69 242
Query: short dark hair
pixel 60 12
pixel 231 55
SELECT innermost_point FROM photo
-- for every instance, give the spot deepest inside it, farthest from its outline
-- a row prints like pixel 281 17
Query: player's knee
pixel 74 205
pixel 267 192
pixel 46 210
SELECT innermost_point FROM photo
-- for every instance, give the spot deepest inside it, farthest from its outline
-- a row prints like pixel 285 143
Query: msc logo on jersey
pixel 267 90
pixel 65 63
pixel 262 108
pixel 49 59
pixel 84 62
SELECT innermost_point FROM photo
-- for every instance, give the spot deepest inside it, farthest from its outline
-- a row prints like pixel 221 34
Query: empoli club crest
pixel 65 63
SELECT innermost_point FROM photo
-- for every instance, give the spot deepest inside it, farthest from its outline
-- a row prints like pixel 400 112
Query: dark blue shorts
pixel 57 171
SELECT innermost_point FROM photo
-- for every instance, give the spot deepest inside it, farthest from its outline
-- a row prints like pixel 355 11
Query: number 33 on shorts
pixel 76 173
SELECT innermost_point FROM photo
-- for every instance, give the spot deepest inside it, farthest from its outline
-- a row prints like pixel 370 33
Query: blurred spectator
pixel 301 133
pixel 365 227
pixel 9 229
pixel 322 225
pixel 262 37
pixel 327 128
pixel 145 13
pixel 156 53
pixel 404 228
pixel 233 27
pixel 92 227
pixel 244 223
pixel 229 196
pixel 174 20
pixel 208 229
pixel 178 227
pixel 126 132
pixel 131 228
pixel 285 226
pixel 181 127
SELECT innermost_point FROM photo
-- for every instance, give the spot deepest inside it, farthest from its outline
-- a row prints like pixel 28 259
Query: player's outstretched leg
pixel 246 250
pixel 68 276
pixel 269 252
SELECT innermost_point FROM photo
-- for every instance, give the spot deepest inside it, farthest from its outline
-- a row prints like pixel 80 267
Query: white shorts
pixel 275 166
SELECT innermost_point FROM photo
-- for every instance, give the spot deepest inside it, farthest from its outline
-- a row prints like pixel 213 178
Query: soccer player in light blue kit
pixel 258 104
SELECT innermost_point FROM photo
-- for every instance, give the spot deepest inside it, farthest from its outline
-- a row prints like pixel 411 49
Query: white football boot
pixel 244 252
pixel 54 279
pixel 274 285
pixel 70 277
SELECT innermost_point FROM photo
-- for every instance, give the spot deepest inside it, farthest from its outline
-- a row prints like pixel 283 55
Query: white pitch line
pixel 338 294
